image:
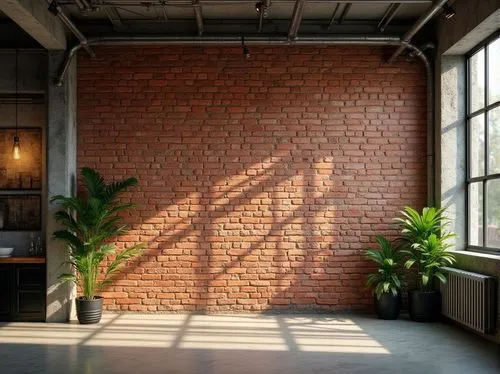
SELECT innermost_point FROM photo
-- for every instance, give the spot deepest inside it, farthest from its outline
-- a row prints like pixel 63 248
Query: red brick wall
pixel 261 181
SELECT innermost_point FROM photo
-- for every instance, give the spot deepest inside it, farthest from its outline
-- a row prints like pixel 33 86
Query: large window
pixel 483 134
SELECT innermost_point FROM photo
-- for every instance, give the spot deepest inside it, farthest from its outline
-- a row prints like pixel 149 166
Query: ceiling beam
pixel 34 18
pixel 334 14
pixel 114 17
pixel 346 10
pixel 388 16
pixel 298 11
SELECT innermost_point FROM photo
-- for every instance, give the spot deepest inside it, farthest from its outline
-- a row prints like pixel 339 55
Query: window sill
pixel 470 253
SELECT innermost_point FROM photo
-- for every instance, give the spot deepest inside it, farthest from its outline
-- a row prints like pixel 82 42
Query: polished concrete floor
pixel 288 344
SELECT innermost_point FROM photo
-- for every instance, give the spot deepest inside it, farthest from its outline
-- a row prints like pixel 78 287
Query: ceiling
pixel 239 17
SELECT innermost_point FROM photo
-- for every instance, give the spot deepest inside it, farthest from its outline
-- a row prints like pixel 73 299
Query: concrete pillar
pixel 453 149
pixel 61 179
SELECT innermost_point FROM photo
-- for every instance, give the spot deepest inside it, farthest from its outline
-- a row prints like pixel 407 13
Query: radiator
pixel 469 299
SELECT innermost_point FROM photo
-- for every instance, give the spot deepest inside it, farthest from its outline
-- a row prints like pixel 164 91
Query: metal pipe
pixel 55 9
pixel 199 16
pixel 430 156
pixel 298 11
pixel 145 3
pixel 226 40
pixel 424 18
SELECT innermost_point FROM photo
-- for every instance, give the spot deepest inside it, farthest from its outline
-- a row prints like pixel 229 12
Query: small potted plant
pixel 90 224
pixel 386 281
pixel 426 239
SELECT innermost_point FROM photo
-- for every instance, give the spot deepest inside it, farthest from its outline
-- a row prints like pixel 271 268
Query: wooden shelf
pixel 20 192
pixel 22 260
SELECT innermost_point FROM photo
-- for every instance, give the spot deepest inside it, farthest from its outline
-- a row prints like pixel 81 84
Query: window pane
pixel 494 141
pixel 493 208
pixel 477 146
pixel 494 72
pixel 477 81
pixel 476 214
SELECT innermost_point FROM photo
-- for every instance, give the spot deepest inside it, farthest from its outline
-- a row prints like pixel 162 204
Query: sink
pixel 5 252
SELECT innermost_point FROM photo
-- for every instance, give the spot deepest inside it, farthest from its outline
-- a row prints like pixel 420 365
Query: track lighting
pixel 448 10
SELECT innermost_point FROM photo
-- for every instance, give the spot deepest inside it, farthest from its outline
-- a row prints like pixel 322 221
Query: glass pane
pixel 476 214
pixel 494 141
pixel 477 81
pixel 494 72
pixel 493 208
pixel 477 146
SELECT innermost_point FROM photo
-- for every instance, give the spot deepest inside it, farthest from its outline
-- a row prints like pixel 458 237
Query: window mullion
pixel 486 150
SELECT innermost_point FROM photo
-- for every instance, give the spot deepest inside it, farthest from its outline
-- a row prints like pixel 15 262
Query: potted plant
pixel 90 224
pixel 426 238
pixel 386 281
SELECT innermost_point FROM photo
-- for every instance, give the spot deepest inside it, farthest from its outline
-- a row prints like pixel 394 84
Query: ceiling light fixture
pixel 16 147
pixel 448 10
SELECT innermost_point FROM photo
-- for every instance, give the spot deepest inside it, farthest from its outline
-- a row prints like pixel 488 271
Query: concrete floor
pixel 223 344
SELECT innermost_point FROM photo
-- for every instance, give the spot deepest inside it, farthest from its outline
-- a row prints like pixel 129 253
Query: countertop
pixel 22 260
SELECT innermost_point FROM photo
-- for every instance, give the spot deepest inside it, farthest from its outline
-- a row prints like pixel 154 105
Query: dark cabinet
pixel 22 292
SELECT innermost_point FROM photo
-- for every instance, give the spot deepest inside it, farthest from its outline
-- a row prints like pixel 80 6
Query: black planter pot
pixel 89 311
pixel 388 306
pixel 424 306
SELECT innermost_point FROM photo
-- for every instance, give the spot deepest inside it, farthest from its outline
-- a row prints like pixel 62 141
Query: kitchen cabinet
pixel 22 292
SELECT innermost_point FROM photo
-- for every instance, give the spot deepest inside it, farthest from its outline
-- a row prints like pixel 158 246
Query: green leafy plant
pixel 90 223
pixel 430 256
pixel 426 241
pixel 386 279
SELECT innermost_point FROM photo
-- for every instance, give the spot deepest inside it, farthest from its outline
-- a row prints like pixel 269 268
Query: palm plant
pixel 430 256
pixel 90 224
pixel 386 279
pixel 417 227
pixel 426 239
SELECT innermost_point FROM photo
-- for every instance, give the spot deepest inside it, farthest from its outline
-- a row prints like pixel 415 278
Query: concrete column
pixel 61 179
pixel 453 149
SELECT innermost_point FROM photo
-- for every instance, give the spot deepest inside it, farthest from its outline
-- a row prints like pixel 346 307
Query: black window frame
pixel 482 180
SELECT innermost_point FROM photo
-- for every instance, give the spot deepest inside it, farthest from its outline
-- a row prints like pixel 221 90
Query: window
pixel 483 138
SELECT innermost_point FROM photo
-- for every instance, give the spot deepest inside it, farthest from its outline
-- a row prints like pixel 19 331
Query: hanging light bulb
pixel 16 149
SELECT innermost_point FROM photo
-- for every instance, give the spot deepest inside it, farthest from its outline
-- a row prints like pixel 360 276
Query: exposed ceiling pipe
pixel 55 9
pixel 199 16
pixel 225 40
pixel 424 18
pixel 225 2
pixel 298 11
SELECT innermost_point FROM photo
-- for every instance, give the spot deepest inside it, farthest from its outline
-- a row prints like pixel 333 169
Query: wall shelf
pixel 20 192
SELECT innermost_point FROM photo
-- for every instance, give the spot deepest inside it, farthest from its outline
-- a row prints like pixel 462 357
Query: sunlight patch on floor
pixel 207 332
